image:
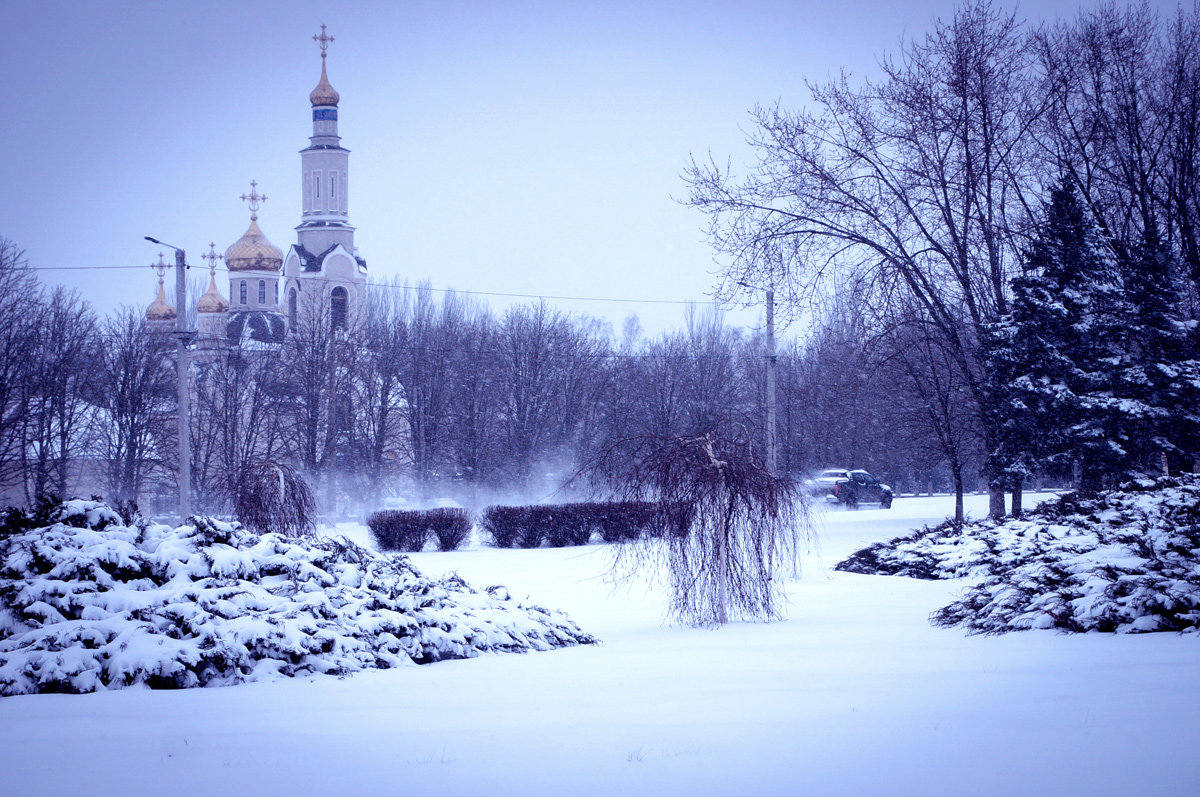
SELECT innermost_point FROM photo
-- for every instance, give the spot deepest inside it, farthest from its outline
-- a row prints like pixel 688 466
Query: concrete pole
pixel 181 362
pixel 772 459
pixel 772 463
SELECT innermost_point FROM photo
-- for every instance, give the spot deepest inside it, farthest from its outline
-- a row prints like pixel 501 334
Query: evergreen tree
pixel 1050 360
pixel 1158 383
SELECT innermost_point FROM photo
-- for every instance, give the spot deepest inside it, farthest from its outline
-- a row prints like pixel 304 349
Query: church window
pixel 316 185
pixel 339 302
pixel 292 308
pixel 333 190
pixel 242 293
pixel 262 291
pixel 275 294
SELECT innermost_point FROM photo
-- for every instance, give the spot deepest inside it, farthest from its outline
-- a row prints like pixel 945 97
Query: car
pixel 822 484
pixel 851 488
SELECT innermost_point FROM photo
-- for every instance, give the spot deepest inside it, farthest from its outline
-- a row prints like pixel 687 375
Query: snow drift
pixel 1125 560
pixel 88 603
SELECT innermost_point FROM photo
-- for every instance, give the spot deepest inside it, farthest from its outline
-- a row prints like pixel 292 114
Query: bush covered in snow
pixel 89 603
pixel 1125 560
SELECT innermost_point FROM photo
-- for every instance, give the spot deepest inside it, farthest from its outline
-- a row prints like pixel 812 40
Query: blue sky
pixel 530 148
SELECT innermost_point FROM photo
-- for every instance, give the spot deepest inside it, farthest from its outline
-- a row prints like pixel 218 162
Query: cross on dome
pixel 323 40
pixel 254 198
pixel 160 267
pixel 212 257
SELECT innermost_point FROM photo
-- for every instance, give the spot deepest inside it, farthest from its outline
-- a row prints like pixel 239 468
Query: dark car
pixel 822 484
pixel 851 488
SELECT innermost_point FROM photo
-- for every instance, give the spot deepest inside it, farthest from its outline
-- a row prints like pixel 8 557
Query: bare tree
pixel 1125 122
pixel 382 404
pixel 135 400
pixel 319 386
pixel 237 418
pixel 918 183
pixel 732 523
pixel 549 367
pixel 272 497
pixel 63 349
pixel 476 399
pixel 18 297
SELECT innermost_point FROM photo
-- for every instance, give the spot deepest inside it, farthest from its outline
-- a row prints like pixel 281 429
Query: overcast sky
pixel 530 148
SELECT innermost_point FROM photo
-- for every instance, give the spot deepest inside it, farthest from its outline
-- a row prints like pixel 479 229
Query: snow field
pixel 855 693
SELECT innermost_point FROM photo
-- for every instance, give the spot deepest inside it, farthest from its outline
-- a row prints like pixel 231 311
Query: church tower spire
pixel 325 167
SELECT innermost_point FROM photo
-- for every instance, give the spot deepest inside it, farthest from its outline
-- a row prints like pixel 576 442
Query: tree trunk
pixel 1017 507
pixel 995 502
pixel 958 496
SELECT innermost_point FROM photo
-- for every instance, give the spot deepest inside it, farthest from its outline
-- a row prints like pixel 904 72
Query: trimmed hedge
pixel 395 530
pixel 561 525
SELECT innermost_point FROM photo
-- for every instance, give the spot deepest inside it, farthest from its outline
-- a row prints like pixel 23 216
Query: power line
pixel 406 286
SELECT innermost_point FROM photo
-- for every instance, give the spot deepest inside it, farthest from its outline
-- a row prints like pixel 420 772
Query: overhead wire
pixel 409 286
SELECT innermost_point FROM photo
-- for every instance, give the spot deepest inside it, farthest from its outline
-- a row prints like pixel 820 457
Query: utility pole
pixel 772 463
pixel 182 337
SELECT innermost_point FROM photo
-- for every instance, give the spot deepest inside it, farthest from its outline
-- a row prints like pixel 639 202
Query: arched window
pixel 292 308
pixel 242 293
pixel 339 306
pixel 262 291
pixel 275 293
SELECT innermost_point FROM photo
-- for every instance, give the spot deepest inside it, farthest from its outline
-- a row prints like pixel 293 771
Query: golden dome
pixel 160 310
pixel 253 252
pixel 212 301
pixel 324 93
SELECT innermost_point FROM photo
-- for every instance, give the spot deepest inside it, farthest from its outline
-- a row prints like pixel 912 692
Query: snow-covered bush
pixel 1125 560
pixel 88 603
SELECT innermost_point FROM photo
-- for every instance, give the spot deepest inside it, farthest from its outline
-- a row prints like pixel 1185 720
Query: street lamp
pixel 181 363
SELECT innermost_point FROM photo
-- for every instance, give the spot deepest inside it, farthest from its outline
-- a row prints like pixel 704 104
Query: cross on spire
pixel 324 41
pixel 212 257
pixel 254 198
pixel 160 267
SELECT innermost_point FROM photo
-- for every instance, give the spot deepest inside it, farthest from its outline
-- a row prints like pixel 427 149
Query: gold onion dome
pixel 212 301
pixel 160 310
pixel 253 252
pixel 324 93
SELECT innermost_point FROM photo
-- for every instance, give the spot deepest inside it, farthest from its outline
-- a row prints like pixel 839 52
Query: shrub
pixel 561 525
pixel 503 524
pixel 449 526
pixel 394 530
pixel 91 604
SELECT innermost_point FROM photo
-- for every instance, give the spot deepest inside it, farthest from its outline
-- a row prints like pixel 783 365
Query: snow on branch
pixel 88 603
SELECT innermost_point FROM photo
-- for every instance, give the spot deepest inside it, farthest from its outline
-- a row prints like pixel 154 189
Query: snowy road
pixel 855 693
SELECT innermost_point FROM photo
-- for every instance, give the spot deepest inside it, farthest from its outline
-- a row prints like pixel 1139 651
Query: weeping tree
pixel 272 497
pixel 729 525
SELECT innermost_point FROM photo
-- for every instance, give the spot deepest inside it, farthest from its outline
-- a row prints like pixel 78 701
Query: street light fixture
pixel 181 362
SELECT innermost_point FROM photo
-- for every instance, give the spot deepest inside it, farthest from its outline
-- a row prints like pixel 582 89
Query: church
pixel 321 279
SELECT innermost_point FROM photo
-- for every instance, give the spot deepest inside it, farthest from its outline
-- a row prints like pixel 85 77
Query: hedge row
pixel 395 530
pixel 560 525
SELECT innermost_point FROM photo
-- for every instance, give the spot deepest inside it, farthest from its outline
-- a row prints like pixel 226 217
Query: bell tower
pixel 325 171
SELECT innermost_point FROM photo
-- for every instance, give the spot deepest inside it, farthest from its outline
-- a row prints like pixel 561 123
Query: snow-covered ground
pixel 855 693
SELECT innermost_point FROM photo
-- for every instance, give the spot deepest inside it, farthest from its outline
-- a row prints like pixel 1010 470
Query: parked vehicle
pixel 850 488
